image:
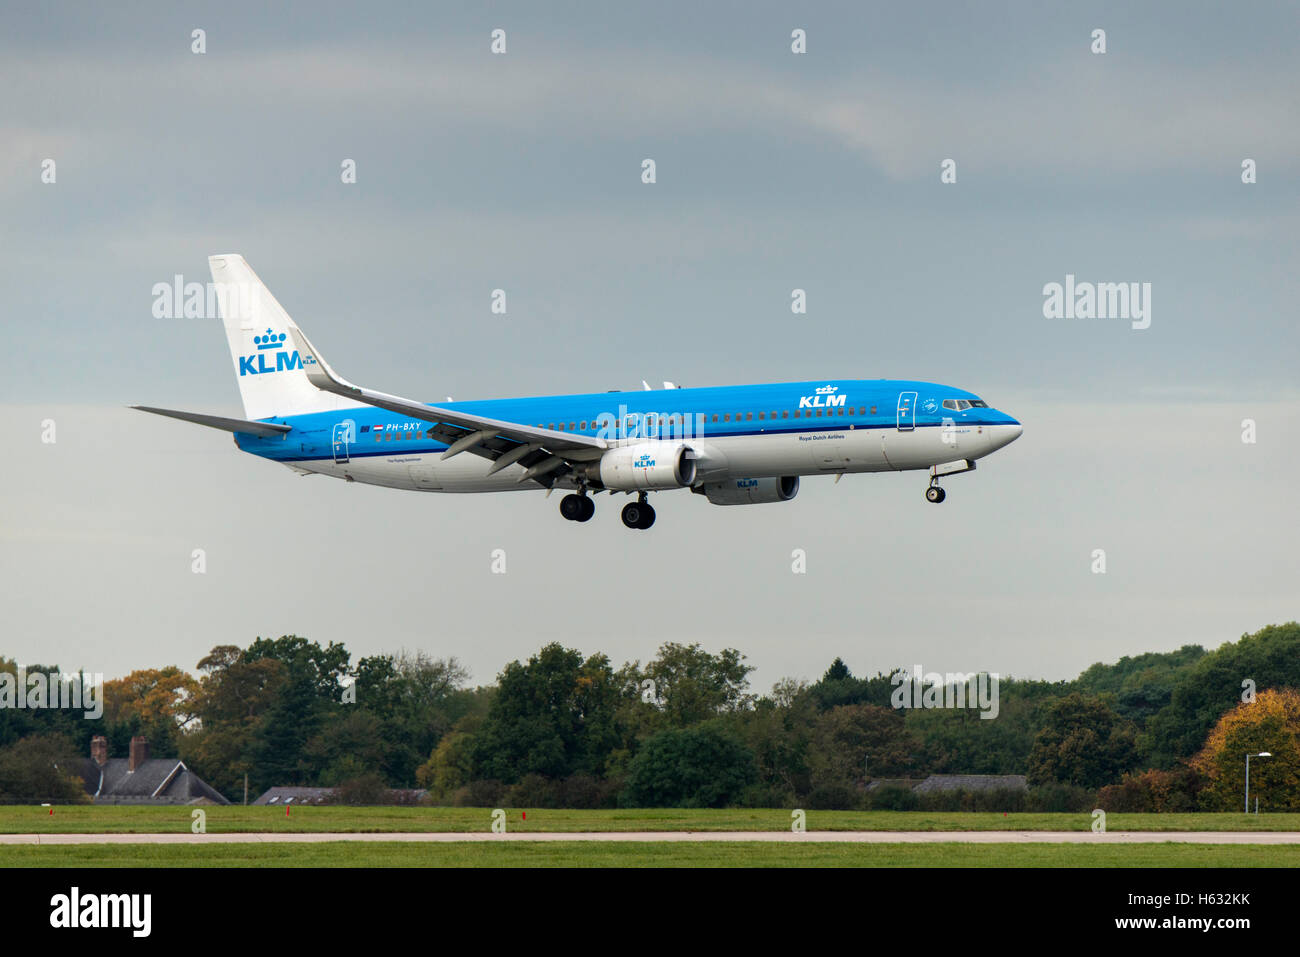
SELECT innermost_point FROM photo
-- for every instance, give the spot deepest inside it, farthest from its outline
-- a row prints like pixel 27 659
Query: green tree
pixel 853 740
pixel 553 716
pixel 689 767
pixel 415 700
pixel 691 685
pixel 41 767
pixel 1212 687
pixel 838 687
pixel 232 699
pixel 1083 743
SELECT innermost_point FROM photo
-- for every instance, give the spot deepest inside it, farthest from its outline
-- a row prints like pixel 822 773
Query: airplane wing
pixel 541 452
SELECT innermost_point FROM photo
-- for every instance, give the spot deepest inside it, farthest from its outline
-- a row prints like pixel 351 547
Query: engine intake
pixel 650 465
pixel 753 491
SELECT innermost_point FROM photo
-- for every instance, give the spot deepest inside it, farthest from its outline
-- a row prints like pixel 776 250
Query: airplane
pixel 733 445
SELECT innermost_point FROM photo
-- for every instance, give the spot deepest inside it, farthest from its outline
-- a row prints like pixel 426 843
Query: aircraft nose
pixel 1004 434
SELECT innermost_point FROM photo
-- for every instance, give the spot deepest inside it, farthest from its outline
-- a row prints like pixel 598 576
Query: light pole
pixel 1262 754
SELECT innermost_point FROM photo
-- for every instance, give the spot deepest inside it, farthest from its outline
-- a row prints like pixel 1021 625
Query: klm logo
pixel 824 398
pixel 644 462
pixel 260 362
pixel 747 483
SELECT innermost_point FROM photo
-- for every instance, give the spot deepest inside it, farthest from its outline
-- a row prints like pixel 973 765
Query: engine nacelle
pixel 753 491
pixel 649 465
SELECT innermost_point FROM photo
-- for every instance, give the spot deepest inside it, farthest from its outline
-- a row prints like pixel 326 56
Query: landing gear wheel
pixel 588 509
pixel 571 507
pixel 638 515
pixel 935 494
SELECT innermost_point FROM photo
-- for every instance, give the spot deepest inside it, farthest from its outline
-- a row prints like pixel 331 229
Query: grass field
pixel 593 854
pixel 94 819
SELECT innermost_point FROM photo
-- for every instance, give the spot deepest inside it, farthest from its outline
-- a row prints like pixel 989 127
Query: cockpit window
pixel 950 404
pixel 979 404
pixel 961 405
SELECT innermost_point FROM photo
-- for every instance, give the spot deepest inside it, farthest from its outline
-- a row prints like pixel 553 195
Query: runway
pixel 806 837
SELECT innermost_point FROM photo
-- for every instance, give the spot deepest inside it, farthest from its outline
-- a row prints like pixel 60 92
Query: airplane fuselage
pixel 738 432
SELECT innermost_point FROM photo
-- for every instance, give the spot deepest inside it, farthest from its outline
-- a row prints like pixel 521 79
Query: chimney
pixel 139 752
pixel 99 750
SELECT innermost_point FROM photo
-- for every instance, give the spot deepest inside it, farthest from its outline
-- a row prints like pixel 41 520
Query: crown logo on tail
pixel 270 340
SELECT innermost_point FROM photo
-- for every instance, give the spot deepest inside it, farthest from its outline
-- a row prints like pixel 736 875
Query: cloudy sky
pixel 775 171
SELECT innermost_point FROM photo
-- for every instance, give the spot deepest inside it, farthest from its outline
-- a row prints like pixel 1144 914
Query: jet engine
pixel 752 491
pixel 649 465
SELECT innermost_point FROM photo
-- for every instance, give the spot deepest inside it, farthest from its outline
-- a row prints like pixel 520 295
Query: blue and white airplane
pixel 735 445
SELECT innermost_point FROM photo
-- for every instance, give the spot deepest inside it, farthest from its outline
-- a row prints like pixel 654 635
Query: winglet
pixel 318 370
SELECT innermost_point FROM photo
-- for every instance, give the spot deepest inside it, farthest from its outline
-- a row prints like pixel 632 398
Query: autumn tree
pixel 154 702
pixel 1270 723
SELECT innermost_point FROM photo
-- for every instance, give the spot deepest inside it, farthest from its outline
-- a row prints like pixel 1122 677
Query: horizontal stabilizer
pixel 220 422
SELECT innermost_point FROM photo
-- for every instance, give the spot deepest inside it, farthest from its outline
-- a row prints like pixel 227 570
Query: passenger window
pixel 749 416
pixel 715 417
pixel 840 410
pixel 796 413
pixel 785 413
pixel 873 410
pixel 726 417
pixel 379 436
pixel 819 413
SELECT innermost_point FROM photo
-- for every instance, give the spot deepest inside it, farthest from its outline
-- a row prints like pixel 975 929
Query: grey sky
pixel 775 171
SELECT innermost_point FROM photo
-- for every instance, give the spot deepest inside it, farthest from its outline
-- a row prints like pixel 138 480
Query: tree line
pixel 1158 731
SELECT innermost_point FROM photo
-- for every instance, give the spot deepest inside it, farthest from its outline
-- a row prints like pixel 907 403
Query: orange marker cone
pixel 525 814
pixel 286 810
pixel 51 812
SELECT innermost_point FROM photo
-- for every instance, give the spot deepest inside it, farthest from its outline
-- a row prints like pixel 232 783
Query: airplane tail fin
pixel 268 366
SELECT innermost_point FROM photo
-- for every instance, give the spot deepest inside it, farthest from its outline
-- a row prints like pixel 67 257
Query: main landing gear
pixel 580 508
pixel 934 493
pixel 639 514
pixel 577 508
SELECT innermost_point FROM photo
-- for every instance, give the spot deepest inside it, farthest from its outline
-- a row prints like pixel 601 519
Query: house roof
pixel 908 783
pixel 303 795
pixel 295 795
pixel 971 782
pixel 163 780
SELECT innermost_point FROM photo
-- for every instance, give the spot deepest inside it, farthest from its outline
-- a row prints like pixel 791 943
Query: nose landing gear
pixel 935 494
